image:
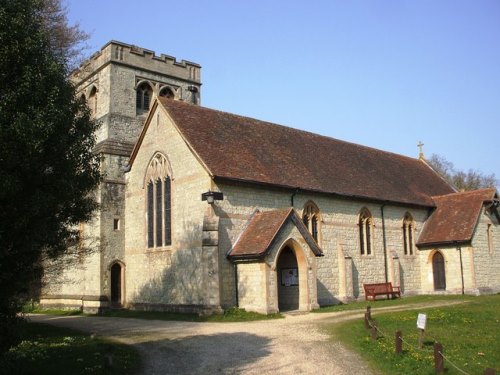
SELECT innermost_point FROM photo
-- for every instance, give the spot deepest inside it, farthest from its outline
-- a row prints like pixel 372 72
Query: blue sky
pixel 385 74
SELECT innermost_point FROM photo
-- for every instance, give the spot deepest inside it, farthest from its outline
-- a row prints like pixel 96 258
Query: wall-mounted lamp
pixel 212 196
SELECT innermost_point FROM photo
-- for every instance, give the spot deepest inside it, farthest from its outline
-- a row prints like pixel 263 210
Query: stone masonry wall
pixel 169 275
pixel 338 233
pixel 487 254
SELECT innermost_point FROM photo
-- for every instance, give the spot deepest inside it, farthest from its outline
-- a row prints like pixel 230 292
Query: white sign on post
pixel 421 321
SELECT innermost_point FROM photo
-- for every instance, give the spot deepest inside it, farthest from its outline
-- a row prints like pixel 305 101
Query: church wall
pixel 252 287
pixel 455 270
pixel 339 237
pixel 101 80
pixel 170 275
pixel 74 281
pixel 234 212
pixel 486 254
pixel 112 209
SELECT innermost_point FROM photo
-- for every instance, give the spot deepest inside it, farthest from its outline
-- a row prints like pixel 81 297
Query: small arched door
pixel 116 285
pixel 438 271
pixel 288 281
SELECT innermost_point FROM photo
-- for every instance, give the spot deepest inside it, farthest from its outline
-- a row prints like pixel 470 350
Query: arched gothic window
pixel 365 231
pixel 158 202
pixel 143 96
pixel 167 92
pixel 310 217
pixel 408 231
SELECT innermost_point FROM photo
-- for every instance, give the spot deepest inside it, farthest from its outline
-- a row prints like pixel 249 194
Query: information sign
pixel 421 321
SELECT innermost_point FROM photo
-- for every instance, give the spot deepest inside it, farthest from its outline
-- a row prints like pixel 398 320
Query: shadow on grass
pixel 46 349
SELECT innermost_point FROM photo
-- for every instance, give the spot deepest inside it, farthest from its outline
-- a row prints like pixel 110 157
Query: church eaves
pixel 243 149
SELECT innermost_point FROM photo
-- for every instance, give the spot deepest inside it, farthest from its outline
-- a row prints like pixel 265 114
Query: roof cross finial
pixel 421 148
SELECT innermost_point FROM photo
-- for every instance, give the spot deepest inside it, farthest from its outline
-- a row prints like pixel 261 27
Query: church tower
pixel 119 83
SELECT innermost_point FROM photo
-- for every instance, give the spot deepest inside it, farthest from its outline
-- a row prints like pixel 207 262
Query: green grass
pixel 53 350
pixel 469 333
pixel 361 305
pixel 235 314
pixel 230 315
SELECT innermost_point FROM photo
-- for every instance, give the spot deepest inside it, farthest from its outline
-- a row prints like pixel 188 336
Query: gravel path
pixel 294 345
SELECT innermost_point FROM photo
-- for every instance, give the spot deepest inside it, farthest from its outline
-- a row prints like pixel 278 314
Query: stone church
pixel 201 210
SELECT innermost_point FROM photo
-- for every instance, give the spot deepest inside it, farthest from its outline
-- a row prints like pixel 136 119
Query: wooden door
pixel 438 271
pixel 116 284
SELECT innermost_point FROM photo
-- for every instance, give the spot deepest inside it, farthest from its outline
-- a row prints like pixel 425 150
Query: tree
pixel 47 169
pixel 66 41
pixel 470 180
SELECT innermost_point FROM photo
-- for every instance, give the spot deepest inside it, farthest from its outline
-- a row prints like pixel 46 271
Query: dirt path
pixel 294 345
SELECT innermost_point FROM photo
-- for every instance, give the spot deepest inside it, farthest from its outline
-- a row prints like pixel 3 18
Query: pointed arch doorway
pixel 116 285
pixel 438 271
pixel 292 278
pixel 288 280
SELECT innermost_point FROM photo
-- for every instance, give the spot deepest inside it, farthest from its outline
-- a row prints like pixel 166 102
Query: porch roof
pixel 262 229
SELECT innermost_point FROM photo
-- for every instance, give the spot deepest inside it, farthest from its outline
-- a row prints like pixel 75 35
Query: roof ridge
pixel 466 192
pixel 291 128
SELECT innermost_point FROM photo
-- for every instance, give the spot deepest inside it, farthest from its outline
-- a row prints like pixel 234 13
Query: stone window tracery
pixel 311 219
pixel 167 92
pixel 365 224
pixel 158 202
pixel 408 234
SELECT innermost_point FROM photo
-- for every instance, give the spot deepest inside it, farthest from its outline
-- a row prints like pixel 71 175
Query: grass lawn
pixel 230 315
pixel 52 350
pixel 361 305
pixel 469 332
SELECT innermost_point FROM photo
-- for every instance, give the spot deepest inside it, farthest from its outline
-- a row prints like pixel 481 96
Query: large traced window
pixel 143 96
pixel 158 202
pixel 408 231
pixel 310 217
pixel 365 231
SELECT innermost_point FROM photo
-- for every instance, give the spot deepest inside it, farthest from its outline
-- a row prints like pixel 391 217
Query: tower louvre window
pixel 143 96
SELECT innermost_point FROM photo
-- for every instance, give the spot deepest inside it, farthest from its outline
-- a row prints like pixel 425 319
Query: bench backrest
pixel 378 288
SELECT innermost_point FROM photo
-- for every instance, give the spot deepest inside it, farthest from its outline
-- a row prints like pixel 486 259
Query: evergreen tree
pixel 47 170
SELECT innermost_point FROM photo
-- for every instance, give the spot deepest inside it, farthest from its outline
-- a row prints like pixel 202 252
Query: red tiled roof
pixel 262 228
pixel 245 149
pixel 455 217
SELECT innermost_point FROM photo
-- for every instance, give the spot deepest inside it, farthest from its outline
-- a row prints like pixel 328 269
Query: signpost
pixel 421 322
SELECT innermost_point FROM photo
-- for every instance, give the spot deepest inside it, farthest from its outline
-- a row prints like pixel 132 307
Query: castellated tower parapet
pixel 120 81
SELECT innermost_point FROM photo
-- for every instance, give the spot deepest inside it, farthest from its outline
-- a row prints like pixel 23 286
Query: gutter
pixel 459 248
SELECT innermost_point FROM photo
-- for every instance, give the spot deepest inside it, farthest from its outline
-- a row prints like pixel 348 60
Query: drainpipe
pixel 459 248
pixel 236 284
pixel 384 244
pixel 293 195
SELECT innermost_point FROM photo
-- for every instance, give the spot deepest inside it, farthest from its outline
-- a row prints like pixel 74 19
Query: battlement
pixel 140 58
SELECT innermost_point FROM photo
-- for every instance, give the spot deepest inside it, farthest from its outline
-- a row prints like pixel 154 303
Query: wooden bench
pixel 381 289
